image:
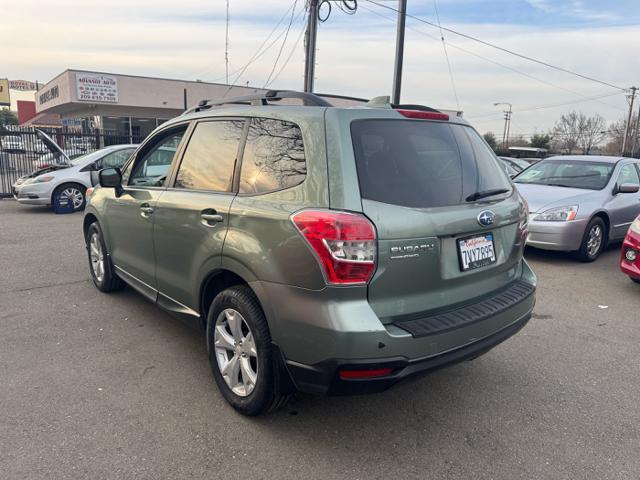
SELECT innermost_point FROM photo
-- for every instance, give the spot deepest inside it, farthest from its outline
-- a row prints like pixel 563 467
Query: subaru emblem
pixel 486 218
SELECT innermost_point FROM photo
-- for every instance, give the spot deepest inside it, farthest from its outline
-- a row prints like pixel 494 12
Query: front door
pixel 624 207
pixel 191 217
pixel 131 215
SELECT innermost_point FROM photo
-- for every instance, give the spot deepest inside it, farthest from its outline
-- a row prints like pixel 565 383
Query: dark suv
pixel 322 249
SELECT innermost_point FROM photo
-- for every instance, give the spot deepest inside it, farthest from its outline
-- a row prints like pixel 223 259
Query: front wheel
pixel 240 352
pixel 72 192
pixel 593 241
pixel 100 265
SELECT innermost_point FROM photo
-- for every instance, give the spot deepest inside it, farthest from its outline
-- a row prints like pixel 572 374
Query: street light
pixel 507 124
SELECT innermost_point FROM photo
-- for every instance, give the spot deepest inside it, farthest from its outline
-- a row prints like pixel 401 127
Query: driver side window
pixel 628 174
pixel 152 168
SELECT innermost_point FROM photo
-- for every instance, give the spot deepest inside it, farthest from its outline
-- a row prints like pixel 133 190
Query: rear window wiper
pixel 486 193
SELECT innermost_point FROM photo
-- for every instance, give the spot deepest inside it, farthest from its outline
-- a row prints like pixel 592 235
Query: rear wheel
pixel 73 192
pixel 240 352
pixel 593 241
pixel 100 265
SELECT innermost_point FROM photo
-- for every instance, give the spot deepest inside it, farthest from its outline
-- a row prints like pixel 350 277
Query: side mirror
pixel 111 178
pixel 628 188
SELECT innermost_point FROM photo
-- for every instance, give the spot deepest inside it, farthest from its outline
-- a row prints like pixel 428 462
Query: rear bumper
pixel 564 236
pixel 324 377
pixel 323 332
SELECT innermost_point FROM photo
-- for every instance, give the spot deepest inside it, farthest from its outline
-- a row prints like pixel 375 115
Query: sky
pixel 186 40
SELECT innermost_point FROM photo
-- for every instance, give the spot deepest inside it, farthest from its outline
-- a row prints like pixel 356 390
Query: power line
pixel 515 70
pixel 541 107
pixel 506 50
pixel 288 59
pixel 284 41
pixel 446 54
pixel 257 53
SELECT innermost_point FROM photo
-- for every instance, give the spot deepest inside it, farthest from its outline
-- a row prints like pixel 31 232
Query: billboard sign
pixel 22 85
pixel 5 99
pixel 95 87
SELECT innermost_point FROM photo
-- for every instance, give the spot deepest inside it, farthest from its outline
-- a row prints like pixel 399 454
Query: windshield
pixel 424 164
pixel 87 157
pixel 568 173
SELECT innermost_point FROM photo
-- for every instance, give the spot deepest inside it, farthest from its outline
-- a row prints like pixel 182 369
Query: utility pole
pixel 397 69
pixel 310 46
pixel 507 124
pixel 635 138
pixel 628 125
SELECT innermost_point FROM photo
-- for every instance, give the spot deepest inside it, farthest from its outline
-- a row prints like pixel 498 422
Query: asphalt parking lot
pixel 109 386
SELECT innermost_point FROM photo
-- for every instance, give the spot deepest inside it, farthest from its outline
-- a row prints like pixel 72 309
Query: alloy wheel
pixel 74 195
pixel 97 256
pixel 595 240
pixel 236 352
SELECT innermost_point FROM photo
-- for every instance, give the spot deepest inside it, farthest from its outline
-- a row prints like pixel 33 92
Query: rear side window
pixel 210 156
pixel 273 157
pixel 423 164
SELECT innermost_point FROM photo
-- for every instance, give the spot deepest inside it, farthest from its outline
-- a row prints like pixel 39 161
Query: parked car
pixel 56 158
pixel 322 249
pixel 508 168
pixel 12 143
pixel 518 163
pixel 68 179
pixel 580 203
pixel 630 259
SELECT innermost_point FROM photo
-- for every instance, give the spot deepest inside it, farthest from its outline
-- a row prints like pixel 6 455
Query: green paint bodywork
pixel 173 253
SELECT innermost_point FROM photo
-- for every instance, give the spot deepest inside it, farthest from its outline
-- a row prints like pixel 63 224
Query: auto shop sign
pixel 92 87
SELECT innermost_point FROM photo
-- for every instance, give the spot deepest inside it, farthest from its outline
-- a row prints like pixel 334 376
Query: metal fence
pixel 22 151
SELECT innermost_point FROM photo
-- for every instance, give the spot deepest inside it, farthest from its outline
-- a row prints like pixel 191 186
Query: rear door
pixel 191 217
pixel 438 246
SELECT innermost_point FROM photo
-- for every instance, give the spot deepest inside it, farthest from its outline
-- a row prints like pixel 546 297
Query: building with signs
pixel 129 105
pixel 123 104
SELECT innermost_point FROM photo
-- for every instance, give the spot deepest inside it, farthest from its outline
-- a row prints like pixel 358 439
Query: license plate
pixel 476 252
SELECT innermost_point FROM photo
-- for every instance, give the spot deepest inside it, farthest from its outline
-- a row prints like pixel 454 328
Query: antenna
pixel 226 46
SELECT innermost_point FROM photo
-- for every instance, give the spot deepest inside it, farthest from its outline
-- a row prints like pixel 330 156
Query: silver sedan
pixel 580 203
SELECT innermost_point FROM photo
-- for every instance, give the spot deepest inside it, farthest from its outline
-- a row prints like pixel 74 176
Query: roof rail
pixel 308 99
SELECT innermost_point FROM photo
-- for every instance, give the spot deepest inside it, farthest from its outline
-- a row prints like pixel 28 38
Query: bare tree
pixel 592 132
pixel 565 133
pixel 576 131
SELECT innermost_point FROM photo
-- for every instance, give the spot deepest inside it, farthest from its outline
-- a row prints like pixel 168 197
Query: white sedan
pixel 68 181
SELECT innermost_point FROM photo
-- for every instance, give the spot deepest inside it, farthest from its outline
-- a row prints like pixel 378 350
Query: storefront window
pixel 116 130
pixel 141 127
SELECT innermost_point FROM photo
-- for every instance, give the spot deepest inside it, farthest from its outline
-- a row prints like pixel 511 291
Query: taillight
pixel 523 223
pixel 422 114
pixel 345 243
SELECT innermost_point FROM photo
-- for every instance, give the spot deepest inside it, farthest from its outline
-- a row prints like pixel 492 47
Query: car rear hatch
pixel 449 222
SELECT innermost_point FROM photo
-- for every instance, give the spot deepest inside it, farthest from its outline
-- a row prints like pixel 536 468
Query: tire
pixel 103 278
pixel 251 384
pixel 591 247
pixel 74 190
pixel 635 280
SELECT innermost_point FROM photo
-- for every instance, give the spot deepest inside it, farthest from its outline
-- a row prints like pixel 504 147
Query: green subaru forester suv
pixel 321 249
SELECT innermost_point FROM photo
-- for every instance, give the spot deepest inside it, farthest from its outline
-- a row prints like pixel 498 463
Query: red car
pixel 630 259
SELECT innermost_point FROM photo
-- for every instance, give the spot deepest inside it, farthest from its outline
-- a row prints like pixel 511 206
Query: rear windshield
pixel 568 173
pixel 423 164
